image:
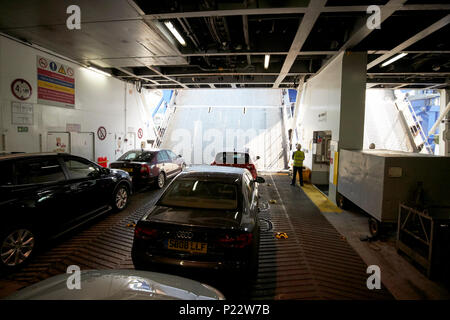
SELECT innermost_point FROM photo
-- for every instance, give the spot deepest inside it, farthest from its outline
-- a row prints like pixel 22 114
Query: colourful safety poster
pixel 56 83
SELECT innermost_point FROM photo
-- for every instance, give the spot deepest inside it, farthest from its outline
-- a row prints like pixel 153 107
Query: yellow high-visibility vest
pixel 299 156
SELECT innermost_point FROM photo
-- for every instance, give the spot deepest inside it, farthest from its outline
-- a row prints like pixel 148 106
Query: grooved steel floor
pixel 315 262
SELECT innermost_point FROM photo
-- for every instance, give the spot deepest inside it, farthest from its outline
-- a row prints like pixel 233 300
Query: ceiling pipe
pixel 187 28
pixel 246 37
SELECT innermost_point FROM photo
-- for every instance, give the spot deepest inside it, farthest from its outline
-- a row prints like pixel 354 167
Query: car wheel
pixel 374 227
pixel 254 259
pixel 341 201
pixel 161 181
pixel 16 247
pixel 121 197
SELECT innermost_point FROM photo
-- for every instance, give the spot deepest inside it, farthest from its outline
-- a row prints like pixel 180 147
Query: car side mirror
pixel 179 156
pixel 260 180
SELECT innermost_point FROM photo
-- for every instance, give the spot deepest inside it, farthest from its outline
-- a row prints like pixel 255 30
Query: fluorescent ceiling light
pixel 266 61
pixel 99 71
pixel 401 55
pixel 175 32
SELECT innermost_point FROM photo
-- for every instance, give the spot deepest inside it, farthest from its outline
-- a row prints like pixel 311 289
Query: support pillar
pixel 352 110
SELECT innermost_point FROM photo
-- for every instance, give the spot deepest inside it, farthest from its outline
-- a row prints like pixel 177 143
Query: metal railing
pixel 413 122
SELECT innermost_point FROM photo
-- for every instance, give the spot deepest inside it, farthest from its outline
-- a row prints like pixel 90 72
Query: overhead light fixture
pixel 175 32
pixel 266 61
pixel 401 55
pixel 99 71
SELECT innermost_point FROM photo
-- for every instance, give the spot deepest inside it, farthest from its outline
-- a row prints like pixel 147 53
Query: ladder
pixel 161 128
pixel 413 122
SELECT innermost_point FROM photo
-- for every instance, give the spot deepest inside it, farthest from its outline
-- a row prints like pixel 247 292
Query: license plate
pixel 128 169
pixel 187 246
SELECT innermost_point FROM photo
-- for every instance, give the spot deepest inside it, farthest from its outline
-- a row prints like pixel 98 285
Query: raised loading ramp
pixel 200 133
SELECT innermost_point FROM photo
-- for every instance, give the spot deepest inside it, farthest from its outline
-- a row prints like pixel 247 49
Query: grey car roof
pixel 226 173
pixel 119 285
pixel 29 155
pixel 145 150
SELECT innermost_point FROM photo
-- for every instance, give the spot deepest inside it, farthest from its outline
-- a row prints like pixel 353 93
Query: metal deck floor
pixel 315 262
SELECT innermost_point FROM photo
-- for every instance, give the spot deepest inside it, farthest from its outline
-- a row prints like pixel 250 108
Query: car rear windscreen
pixel 232 158
pixel 201 194
pixel 140 156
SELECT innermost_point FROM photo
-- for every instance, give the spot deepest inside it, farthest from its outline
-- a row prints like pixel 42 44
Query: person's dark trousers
pixel 300 173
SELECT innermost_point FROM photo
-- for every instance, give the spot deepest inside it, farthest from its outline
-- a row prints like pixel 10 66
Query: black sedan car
pixel 150 166
pixel 206 219
pixel 45 195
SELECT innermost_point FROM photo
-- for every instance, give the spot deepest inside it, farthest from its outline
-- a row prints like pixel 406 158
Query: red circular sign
pixel 140 133
pixel 101 133
pixel 21 89
pixel 70 71
pixel 43 63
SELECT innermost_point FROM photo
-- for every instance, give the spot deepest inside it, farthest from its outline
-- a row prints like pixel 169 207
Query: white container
pixel 378 180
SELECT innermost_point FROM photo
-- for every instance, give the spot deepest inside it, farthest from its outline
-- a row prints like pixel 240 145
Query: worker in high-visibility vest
pixel 298 157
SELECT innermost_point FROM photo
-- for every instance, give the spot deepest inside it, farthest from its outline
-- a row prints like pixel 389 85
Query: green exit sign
pixel 22 129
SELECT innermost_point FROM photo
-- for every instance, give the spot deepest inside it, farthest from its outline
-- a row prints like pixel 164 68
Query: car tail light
pixel 236 241
pixel 145 169
pixel 145 233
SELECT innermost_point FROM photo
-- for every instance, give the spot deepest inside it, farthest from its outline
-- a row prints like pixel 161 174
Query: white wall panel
pixel 382 124
pixel 229 97
pixel 322 94
pixel 99 101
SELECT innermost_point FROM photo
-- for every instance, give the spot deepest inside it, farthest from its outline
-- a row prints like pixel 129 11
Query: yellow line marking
pixel 320 200
pixel 336 167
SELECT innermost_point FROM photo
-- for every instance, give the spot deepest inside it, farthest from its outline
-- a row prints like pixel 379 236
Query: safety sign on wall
pixel 21 113
pixel 101 133
pixel 21 89
pixel 58 142
pixel 140 133
pixel 56 83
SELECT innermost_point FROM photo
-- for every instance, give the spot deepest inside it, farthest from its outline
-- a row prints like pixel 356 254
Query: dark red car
pixel 150 166
pixel 236 159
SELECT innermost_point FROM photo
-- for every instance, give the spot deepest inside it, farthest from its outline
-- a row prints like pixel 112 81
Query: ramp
pixel 315 262
pixel 200 133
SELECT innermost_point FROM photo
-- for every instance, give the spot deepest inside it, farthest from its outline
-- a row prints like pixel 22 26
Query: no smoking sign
pixel 101 133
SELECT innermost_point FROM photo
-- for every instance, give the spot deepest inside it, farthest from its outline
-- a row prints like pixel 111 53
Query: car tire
pixel 17 246
pixel 253 267
pixel 341 201
pixel 121 197
pixel 375 227
pixel 140 266
pixel 161 180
